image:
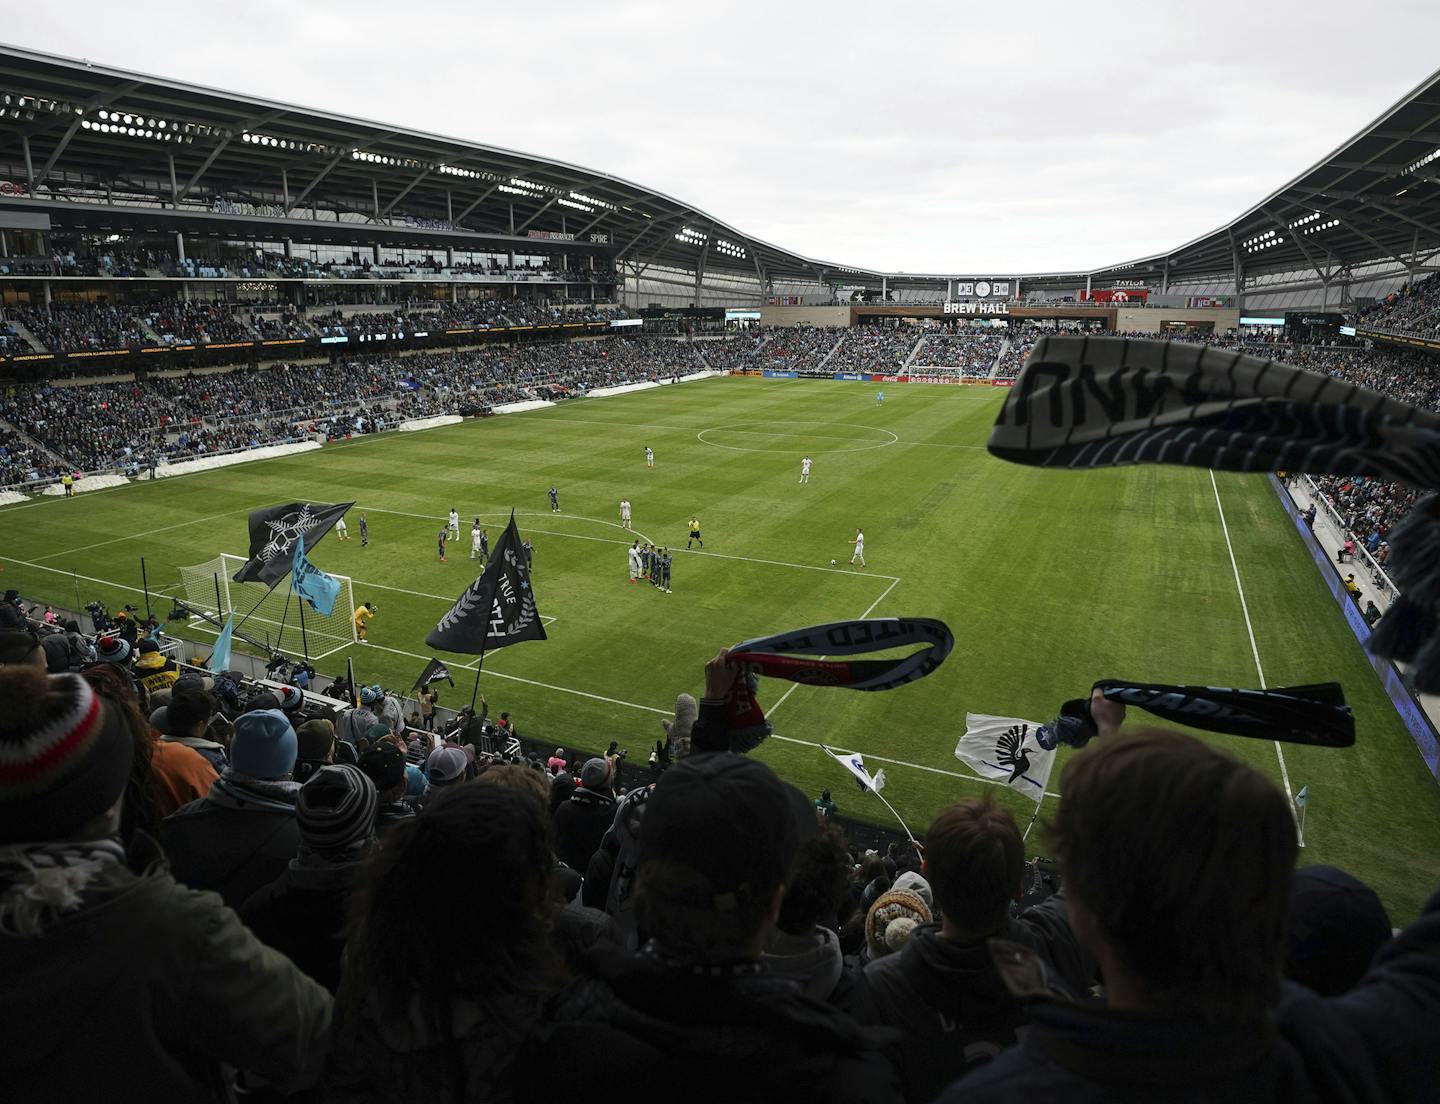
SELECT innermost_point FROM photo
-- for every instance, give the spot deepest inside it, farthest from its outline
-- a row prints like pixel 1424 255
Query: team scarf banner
pixel 1316 714
pixel 779 656
pixel 1085 402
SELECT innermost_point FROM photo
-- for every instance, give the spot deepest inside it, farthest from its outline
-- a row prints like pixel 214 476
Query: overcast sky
pixel 988 138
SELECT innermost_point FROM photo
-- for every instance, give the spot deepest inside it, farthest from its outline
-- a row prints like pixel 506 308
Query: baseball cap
pixel 384 765
pixel 595 774
pixel 728 818
pixel 445 765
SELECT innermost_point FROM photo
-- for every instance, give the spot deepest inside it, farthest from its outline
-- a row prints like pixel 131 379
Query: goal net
pixel 270 616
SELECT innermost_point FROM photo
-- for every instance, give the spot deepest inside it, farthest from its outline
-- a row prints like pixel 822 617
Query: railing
pixel 1388 590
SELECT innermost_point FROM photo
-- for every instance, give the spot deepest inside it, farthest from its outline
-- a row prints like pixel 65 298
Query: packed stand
pixel 973 354
pixel 183 321
pixel 1415 308
pixel 874 349
pixel 78 327
pixel 1012 360
pixel 379 903
pixel 734 353
pixel 797 348
pixel 22 462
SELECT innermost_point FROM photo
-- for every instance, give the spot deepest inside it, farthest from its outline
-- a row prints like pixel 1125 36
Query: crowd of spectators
pixel 22 462
pixel 734 352
pixel 1415 308
pixel 78 327
pixel 798 348
pixel 874 349
pixel 246 891
pixel 1012 358
pixel 973 353
pixel 168 418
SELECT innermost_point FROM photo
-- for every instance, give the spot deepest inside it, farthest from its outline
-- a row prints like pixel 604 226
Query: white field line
pixel 791 688
pixel 145 533
pixel 1255 651
pixel 530 682
pixel 637 534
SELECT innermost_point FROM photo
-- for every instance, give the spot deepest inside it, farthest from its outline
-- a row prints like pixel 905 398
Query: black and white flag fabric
pixel 1084 402
pixel 1316 714
pixel 497 609
pixel 1006 750
pixel 435 671
pixel 274 532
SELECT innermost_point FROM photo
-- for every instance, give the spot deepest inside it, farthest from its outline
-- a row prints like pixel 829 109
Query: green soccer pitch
pixel 1050 580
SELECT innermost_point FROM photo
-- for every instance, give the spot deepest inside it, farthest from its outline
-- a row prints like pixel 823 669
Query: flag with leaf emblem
pixel 497 609
pixel 1005 750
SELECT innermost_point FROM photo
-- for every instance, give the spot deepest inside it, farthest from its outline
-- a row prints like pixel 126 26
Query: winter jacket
pixel 813 960
pixel 726 1035
pixel 178 776
pixel 580 825
pixel 146 989
pixel 948 999
pixel 155 671
pixel 302 915
pixel 468 1060
pixel 1376 1043
pixel 231 843
pixel 214 753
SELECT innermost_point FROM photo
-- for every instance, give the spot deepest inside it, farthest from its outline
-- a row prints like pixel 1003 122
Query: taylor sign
pixel 977 308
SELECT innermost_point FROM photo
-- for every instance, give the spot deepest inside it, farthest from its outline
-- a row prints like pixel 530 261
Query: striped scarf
pixel 39 882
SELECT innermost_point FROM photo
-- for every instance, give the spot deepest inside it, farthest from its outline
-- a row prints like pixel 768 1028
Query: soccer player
pixel 68 482
pixel 633 555
pixel 694 537
pixel 649 457
pixel 362 613
pixel 625 513
pixel 454 523
pixel 528 551
pixel 341 533
pixel 805 470
pixel 475 540
pixel 859 543
pixel 485 545
pixel 665 570
pixel 364 532
pixel 441 539
pixel 879 398
pixel 554 501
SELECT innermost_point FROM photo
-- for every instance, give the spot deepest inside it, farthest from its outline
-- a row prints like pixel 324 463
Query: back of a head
pixel 817 883
pixel 719 836
pixel 478 857
pixel 190 707
pixel 1183 855
pixel 974 862
pixel 20 647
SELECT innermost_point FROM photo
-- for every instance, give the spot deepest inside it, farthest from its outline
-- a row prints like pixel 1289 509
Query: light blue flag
pixel 220 657
pixel 1302 797
pixel 312 584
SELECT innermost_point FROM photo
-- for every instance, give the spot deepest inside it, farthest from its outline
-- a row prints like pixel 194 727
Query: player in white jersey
pixel 859 543
pixel 633 554
pixel 805 470
pixel 454 524
pixel 649 457
pixel 475 540
pixel 341 533
pixel 625 513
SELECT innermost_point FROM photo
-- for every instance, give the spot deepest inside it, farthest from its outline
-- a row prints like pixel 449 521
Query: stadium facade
pixel 118 187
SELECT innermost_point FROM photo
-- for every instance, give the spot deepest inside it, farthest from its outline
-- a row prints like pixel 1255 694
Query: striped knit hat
pixel 112 649
pixel 336 811
pixel 64 755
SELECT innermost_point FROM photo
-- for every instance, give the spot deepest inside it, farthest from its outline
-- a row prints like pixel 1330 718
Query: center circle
pixel 828 437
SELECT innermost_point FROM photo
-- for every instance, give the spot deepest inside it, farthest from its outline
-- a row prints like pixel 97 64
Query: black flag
pixel 274 531
pixel 434 672
pixel 496 609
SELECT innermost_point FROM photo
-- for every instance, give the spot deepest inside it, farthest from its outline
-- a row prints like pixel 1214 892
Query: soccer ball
pixel 832 563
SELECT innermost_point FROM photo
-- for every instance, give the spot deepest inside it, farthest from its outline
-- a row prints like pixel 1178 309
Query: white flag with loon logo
pixel 1005 749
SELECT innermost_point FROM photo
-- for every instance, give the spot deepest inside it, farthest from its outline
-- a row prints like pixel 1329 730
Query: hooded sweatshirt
pixel 813 959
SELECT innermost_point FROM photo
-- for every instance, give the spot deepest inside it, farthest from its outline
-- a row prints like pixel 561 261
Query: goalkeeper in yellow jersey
pixel 362 614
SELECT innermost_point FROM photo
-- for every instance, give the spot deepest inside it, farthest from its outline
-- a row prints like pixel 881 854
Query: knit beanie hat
pixel 264 744
pixel 291 698
pixel 266 699
pixel 314 739
pixel 369 695
pixel 445 765
pixel 891 920
pixel 148 645
pixel 64 755
pixel 160 719
pixel 335 811
pixel 112 649
pixel 595 774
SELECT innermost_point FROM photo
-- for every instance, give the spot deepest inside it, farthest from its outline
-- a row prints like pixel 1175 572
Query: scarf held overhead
pixel 767 655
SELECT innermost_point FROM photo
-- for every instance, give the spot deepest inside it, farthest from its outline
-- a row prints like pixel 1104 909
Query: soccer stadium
pixel 690 657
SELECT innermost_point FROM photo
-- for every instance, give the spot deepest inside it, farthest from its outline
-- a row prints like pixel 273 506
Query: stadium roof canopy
pixel 75 133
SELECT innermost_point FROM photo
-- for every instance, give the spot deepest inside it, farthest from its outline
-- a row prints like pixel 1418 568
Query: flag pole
pixel 1033 817
pixel 896 815
pixel 350 678
pixel 479 663
pixel 304 640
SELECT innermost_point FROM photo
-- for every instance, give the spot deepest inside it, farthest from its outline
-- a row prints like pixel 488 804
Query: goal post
pixel 271 615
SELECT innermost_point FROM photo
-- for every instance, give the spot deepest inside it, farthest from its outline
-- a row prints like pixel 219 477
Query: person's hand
pixel 1107 714
pixel 720 675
